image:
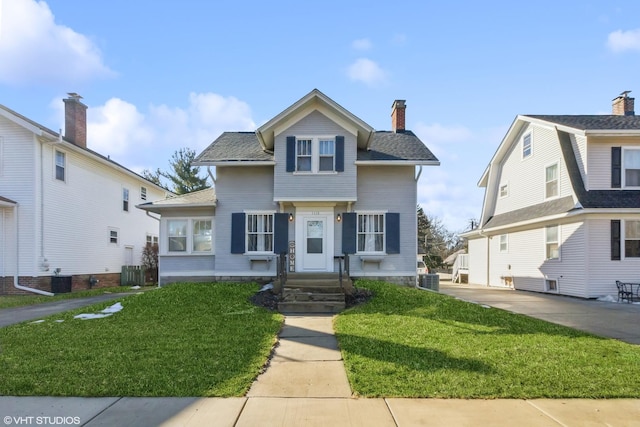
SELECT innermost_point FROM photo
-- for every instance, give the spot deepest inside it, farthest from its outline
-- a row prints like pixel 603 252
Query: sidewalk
pixel 306 385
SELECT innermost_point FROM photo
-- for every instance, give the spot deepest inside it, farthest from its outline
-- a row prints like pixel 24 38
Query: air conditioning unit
pixel 430 281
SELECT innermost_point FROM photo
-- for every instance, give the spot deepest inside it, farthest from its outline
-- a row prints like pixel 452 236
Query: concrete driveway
pixel 607 319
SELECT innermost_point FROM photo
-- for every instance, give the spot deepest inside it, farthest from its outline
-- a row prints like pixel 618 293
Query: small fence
pixel 132 275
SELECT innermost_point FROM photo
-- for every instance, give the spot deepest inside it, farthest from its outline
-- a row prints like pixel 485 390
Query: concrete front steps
pixel 313 293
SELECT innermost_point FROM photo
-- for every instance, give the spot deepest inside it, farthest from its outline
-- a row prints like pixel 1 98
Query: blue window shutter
pixel 393 233
pixel 339 153
pixel 237 232
pixel 349 221
pixel 291 153
pixel 281 233
pixel 615 239
pixel 616 167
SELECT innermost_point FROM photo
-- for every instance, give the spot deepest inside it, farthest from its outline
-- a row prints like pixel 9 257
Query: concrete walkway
pixel 305 384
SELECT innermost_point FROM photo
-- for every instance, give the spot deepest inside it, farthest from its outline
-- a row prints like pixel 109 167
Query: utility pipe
pixel 16 275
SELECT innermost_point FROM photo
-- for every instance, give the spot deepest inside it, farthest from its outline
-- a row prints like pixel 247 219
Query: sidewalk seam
pixel 390 412
pixel 101 412
pixel 546 413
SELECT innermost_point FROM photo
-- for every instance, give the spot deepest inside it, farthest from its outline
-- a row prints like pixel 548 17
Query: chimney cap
pixel 73 95
pixel 624 94
pixel 398 103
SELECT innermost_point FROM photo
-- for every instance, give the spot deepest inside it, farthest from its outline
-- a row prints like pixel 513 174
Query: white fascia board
pixel 613 132
pixel 397 163
pixel 21 122
pixel 314 199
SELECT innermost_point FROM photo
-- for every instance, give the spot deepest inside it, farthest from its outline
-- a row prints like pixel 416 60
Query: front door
pixel 314 243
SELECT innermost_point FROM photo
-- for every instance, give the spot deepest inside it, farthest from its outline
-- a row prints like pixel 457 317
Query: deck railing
pixel 460 267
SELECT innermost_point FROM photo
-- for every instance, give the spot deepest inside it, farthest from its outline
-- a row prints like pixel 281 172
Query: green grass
pixel 412 343
pixel 181 340
pixel 8 301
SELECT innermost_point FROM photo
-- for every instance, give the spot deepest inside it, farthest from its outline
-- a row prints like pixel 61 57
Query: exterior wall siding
pixel 599 160
pixel 478 261
pixel 579 144
pixel 325 186
pixel 526 178
pixel 390 189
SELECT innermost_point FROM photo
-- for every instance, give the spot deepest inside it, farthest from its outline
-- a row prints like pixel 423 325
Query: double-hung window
pixel 189 235
pixel 125 199
pixel 61 165
pixel 551 181
pixel 551 241
pixel 371 232
pixel 527 146
pixel 631 164
pixel 202 235
pixel 113 235
pixel 504 243
pixel 143 193
pixel 327 155
pixel 504 190
pixel 632 239
pixel 304 155
pixel 177 232
pixel 259 232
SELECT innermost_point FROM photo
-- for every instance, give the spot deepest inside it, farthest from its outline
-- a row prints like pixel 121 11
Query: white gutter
pixel 16 275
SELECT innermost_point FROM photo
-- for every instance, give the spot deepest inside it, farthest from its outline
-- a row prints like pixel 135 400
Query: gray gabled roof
pixel 7 202
pixel 231 147
pixel 401 146
pixel 545 209
pixel 592 122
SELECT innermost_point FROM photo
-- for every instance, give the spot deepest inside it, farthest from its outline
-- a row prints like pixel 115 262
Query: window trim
pixel 63 166
pixel 547 243
pixel 143 192
pixel 557 166
pixel 523 150
pixel 189 250
pixel 110 236
pixel 315 154
pixel 1 155
pixel 623 239
pixel 505 243
pixel 506 188
pixel 383 214
pixel 247 214
pixel 547 285
pixel 624 167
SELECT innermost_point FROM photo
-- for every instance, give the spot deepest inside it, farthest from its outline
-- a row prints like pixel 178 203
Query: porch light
pixel 290 217
pixel 339 217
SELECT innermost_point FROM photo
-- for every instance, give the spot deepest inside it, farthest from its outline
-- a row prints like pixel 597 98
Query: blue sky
pixel 161 75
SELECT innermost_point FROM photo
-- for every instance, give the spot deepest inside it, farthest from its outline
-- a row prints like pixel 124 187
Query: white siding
pixel 478 261
pixel 337 186
pixel 526 178
pixel 579 144
pixel 599 160
pixel 602 271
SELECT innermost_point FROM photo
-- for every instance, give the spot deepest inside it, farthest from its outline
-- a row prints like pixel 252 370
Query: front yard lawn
pixel 181 340
pixel 411 343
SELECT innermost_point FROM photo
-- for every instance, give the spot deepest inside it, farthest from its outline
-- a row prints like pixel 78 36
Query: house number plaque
pixel 292 256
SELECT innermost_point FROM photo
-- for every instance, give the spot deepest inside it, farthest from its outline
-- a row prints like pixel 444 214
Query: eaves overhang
pixel 397 162
pixel 235 163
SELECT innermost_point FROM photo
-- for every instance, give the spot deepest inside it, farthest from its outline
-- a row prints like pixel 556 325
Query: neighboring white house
pixel 312 184
pixel 561 210
pixel 65 208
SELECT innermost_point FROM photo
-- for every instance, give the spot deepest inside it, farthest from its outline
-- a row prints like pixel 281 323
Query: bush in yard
pixel 150 262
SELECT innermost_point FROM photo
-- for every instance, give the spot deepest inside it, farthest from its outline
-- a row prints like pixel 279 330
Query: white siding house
pixel 64 208
pixel 314 185
pixel 561 210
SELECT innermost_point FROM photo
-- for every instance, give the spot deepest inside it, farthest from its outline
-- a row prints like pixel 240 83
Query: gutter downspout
pixel 211 175
pixel 16 275
pixel 151 216
pixel 419 172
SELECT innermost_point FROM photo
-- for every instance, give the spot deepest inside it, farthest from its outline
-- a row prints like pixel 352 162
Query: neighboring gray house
pixel 561 209
pixel 312 184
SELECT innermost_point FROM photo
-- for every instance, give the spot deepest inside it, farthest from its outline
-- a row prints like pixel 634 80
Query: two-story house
pixel 561 210
pixel 65 209
pixel 313 184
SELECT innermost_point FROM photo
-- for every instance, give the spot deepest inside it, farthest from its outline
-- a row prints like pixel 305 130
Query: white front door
pixel 314 240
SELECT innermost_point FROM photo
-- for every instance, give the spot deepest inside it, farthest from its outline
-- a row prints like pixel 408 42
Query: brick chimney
pixel 623 105
pixel 75 120
pixel 397 115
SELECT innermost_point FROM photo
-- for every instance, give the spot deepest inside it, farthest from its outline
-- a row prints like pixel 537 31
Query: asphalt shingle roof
pixel 551 207
pixel 206 197
pixel 4 199
pixel 385 146
pixel 592 122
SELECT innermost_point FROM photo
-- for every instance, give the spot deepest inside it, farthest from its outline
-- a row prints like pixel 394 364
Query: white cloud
pixel 366 71
pixel 620 41
pixel 147 139
pixel 36 50
pixel 362 44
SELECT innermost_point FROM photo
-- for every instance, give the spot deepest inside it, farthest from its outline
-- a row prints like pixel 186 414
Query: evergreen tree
pixel 183 177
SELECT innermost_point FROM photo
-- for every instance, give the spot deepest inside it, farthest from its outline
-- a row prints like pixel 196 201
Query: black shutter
pixel 616 167
pixel 615 239
pixel 281 233
pixel 237 232
pixel 339 153
pixel 291 153
pixel 349 221
pixel 393 233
